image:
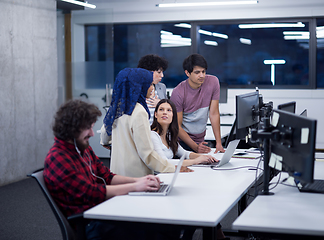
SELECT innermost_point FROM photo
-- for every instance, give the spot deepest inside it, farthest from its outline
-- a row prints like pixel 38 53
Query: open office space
pixel 49 55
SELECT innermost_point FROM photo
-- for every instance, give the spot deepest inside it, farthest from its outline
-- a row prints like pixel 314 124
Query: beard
pixel 82 144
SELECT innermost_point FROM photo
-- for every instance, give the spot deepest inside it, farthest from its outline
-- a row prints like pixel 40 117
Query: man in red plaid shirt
pixel 77 179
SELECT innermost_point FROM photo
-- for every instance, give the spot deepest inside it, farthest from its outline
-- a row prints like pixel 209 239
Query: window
pixel 132 41
pixel 320 53
pixel 257 54
pixel 267 54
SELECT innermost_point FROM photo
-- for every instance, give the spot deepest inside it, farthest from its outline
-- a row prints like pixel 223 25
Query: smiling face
pixel 82 141
pixel 157 76
pixel 196 77
pixel 164 114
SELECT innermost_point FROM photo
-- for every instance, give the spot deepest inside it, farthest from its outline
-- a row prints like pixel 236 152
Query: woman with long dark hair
pixel 164 134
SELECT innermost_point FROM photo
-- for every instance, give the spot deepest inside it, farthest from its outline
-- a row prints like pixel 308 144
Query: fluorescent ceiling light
pixel 205 32
pixel 170 40
pixel 84 4
pixel 271 25
pixel 246 41
pixel 183 25
pixel 320 32
pixel 208 33
pixel 294 35
pixel 298 33
pixel 274 61
pixel 220 35
pixel 166 32
pixel 211 43
pixel 202 4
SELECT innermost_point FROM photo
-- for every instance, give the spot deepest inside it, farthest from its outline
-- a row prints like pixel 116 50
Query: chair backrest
pixel 66 229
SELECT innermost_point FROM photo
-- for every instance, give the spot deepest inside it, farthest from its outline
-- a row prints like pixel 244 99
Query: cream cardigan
pixel 132 153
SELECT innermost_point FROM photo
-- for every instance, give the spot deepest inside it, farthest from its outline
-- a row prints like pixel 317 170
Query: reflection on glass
pixel 239 58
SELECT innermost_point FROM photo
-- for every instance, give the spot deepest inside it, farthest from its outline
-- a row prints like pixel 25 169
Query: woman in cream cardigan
pixel 126 125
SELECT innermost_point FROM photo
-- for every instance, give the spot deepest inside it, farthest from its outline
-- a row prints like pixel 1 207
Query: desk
pixel 200 198
pixel 288 211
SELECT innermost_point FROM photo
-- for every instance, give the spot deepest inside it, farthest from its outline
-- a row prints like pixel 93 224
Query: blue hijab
pixel 130 87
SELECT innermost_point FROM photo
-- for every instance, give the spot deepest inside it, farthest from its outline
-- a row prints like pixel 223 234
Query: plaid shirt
pixel 69 180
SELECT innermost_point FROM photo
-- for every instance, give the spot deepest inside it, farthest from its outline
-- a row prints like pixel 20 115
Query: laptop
pixel 226 157
pixel 315 187
pixel 165 189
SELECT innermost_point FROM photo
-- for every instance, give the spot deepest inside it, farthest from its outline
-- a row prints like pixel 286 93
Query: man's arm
pixel 199 148
pixel 214 117
pixel 184 136
pixel 121 185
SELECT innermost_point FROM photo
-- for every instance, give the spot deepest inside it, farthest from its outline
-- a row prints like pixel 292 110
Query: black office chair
pixel 65 224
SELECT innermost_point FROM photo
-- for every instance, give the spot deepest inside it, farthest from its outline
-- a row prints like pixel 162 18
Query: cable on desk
pixel 276 184
pixel 220 169
pixel 256 173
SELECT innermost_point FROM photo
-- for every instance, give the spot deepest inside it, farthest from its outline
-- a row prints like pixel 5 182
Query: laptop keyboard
pixel 317 186
pixel 161 189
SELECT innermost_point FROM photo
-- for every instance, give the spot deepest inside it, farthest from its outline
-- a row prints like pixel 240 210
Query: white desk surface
pixel 199 198
pixel 288 211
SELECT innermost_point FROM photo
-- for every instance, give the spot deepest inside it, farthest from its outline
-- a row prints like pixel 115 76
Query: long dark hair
pixel 173 130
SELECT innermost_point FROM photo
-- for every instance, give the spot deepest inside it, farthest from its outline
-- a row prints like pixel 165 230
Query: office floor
pixel 25 214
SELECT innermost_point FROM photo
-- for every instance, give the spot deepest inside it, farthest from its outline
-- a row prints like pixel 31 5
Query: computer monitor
pixel 304 113
pixel 289 107
pixel 247 113
pixel 293 143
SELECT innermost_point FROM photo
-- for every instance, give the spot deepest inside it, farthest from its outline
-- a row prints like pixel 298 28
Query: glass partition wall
pixel 266 54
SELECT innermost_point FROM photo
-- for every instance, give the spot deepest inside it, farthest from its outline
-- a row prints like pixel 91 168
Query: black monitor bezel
pixel 247 114
pixel 297 159
pixel 287 106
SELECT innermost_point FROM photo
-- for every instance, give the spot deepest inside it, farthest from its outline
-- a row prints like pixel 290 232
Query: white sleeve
pixel 182 152
pixel 157 144
pixel 104 138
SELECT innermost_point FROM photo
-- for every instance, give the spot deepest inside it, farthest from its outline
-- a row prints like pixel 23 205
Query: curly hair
pixel 153 62
pixel 194 60
pixel 173 130
pixel 73 117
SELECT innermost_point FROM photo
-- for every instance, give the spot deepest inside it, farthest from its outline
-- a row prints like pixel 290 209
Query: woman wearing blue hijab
pixel 126 124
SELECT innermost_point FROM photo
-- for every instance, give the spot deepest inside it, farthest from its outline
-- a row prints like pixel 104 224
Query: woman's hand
pixel 152 101
pixel 147 183
pixel 185 169
pixel 205 159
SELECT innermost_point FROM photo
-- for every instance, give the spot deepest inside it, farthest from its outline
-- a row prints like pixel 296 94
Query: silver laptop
pixel 165 189
pixel 226 157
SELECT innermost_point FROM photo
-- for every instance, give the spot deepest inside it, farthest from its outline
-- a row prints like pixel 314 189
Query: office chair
pixel 77 220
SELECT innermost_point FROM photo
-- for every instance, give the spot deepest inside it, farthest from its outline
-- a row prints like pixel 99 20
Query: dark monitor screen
pixel 289 107
pixel 247 106
pixel 294 145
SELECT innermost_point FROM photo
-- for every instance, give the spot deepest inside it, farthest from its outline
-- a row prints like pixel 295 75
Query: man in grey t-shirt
pixel 196 99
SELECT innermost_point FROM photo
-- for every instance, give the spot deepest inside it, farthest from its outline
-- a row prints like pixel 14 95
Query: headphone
pixel 88 164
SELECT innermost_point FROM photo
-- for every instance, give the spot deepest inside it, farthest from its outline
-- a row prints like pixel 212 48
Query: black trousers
pixel 104 230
